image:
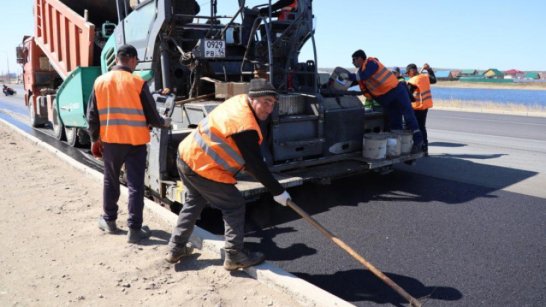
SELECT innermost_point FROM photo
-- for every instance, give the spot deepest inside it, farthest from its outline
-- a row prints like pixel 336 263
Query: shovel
pixel 413 301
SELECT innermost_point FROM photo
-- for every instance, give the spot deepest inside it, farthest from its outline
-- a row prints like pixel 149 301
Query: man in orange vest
pixel 419 87
pixel 224 143
pixel 119 112
pixel 378 82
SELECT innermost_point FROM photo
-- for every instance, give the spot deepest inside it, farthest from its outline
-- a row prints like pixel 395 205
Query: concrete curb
pixel 267 273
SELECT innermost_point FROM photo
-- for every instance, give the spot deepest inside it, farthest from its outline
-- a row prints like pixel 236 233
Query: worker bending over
pixel 224 143
pixel 419 87
pixel 379 83
pixel 119 112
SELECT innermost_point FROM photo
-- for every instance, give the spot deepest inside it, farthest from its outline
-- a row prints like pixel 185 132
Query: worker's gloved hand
pixel 282 198
pixel 167 122
pixel 96 149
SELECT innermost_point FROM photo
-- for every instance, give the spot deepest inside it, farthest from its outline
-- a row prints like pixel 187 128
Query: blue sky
pixel 477 34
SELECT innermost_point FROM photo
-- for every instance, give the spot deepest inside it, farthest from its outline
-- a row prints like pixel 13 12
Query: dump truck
pixel 201 58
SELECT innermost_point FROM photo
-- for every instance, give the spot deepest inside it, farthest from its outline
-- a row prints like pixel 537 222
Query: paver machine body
pixel 203 58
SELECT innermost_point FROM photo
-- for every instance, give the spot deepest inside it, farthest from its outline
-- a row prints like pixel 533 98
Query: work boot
pixel 137 235
pixel 416 148
pixel 177 253
pixel 108 226
pixel 240 259
pixel 418 142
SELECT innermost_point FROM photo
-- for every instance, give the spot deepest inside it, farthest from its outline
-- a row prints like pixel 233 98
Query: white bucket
pixel 394 145
pixel 406 140
pixel 374 146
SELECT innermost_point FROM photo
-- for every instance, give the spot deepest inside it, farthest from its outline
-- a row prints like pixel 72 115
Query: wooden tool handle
pixel 413 301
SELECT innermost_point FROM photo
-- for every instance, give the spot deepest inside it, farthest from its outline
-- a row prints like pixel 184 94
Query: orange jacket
pixel 210 151
pixel 122 119
pixel 285 11
pixel 423 96
pixel 382 81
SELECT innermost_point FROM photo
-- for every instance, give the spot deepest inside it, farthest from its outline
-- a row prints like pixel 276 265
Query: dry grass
pixel 490 107
pixel 488 85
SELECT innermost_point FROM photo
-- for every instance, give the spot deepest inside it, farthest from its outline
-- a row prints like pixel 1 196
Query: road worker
pixel 120 111
pixel 209 159
pixel 419 87
pixel 379 83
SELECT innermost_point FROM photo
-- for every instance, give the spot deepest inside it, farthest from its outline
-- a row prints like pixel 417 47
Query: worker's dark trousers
pixel 198 191
pixel 134 157
pixel 421 116
pixel 398 104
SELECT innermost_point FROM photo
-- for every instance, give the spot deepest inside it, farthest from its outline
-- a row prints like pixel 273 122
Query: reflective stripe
pixel 384 74
pixel 123 122
pixel 212 154
pixel 426 97
pixel 425 92
pixel 223 145
pixel 129 111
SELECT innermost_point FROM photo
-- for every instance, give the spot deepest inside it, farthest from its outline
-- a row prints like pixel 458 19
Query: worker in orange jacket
pixel 120 111
pixel 419 87
pixel 209 159
pixel 378 82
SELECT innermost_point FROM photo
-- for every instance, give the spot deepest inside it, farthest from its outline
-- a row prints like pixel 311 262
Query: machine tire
pixel 72 138
pixel 34 120
pixel 57 125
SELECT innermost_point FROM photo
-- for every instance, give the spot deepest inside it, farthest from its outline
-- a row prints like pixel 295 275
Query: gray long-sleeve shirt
pixel 148 106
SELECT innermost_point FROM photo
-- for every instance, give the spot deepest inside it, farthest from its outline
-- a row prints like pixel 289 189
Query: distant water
pixel 525 97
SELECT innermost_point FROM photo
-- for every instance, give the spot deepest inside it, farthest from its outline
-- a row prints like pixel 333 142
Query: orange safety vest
pixel 122 119
pixel 382 81
pixel 285 11
pixel 423 96
pixel 210 151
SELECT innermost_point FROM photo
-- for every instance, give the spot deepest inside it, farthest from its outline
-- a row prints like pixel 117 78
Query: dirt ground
pixel 53 254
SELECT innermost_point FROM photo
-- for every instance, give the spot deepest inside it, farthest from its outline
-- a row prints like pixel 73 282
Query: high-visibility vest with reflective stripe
pixel 285 11
pixel 122 119
pixel 380 82
pixel 210 151
pixel 423 96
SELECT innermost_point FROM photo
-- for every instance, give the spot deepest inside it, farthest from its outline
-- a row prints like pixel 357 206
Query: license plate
pixel 215 49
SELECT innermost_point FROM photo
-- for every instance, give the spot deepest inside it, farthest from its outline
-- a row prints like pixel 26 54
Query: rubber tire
pixel 72 138
pixel 57 125
pixel 34 121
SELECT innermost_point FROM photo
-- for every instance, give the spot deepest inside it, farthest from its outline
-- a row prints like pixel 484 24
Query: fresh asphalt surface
pixel 451 240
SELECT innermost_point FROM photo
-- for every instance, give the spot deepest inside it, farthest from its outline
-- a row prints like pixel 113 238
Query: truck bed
pixel 65 36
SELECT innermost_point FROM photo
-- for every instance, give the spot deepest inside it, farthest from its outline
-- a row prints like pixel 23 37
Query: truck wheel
pixel 72 136
pixel 58 127
pixel 35 120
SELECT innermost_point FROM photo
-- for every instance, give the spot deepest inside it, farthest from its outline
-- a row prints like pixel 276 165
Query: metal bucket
pixel 374 146
pixel 406 140
pixel 394 145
